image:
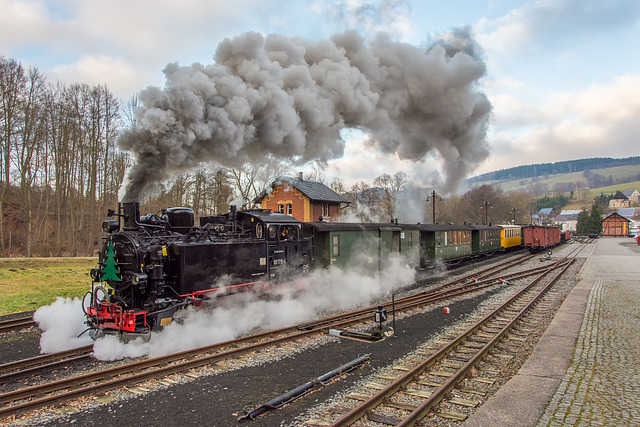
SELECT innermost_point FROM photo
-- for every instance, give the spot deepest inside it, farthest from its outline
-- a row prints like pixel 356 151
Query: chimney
pixel 131 211
pixel 300 176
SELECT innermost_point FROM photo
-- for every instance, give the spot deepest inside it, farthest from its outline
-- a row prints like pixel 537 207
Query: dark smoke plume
pixel 290 98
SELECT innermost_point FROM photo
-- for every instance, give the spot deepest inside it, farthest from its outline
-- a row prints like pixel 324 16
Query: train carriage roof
pixel 351 226
pixel 344 226
pixel 442 227
pixel 484 227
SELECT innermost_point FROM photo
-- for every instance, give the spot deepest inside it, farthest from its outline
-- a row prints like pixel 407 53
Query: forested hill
pixel 540 169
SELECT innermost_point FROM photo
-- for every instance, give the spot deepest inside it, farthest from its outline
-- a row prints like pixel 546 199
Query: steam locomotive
pixel 154 265
pixel 151 266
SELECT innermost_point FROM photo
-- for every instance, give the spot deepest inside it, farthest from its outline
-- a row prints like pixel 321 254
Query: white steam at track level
pixel 301 301
pixel 290 98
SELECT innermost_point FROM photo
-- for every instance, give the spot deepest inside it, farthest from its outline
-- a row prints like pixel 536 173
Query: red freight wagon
pixel 538 237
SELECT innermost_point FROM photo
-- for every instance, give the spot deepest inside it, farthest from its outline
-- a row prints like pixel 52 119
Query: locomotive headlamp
pixel 110 225
pixel 138 278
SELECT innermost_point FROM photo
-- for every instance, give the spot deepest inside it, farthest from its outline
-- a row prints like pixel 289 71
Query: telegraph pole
pixel 433 204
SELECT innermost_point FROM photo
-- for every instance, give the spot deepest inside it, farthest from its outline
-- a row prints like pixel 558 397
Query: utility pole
pixel 433 204
pixel 486 213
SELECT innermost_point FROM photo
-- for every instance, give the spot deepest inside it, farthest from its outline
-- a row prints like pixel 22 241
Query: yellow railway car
pixel 510 236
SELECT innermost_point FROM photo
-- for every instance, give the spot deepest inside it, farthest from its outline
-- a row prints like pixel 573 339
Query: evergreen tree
pixel 595 219
pixel 583 222
pixel 110 270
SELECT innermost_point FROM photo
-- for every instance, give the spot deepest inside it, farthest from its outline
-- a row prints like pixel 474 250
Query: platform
pixel 585 370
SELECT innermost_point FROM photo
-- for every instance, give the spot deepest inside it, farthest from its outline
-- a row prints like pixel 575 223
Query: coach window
pixel 273 232
pixel 259 231
pixel 438 238
pixel 335 245
pixel 446 241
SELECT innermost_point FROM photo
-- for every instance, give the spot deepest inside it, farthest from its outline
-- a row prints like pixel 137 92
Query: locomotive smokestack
pixel 131 212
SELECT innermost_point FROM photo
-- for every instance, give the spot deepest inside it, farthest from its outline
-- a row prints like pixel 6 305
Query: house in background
pixel 615 225
pixel 568 220
pixel 633 215
pixel 633 195
pixel 304 200
pixel 619 200
pixel 547 215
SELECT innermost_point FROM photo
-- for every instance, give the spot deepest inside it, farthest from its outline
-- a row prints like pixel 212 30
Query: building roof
pixel 619 196
pixel 629 193
pixel 316 191
pixel 629 212
pixel 571 212
pixel 563 217
pixel 615 214
pixel 546 211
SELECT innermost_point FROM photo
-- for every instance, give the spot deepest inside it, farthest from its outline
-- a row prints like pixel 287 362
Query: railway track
pixel 16 324
pixel 41 364
pixel 63 390
pixel 407 397
pixel 30 368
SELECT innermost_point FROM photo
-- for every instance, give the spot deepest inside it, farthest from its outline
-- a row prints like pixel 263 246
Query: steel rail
pixel 291 333
pixel 375 400
pixel 82 354
pixel 41 360
pixel 15 324
pixel 425 407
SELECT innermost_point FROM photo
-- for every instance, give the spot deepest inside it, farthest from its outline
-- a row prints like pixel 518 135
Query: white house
pixel 633 195
pixel 568 220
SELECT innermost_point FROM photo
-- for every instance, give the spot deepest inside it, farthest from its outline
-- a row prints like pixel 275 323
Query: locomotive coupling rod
pixel 304 388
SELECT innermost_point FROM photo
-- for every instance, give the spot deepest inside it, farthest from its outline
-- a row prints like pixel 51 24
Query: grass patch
pixel 29 283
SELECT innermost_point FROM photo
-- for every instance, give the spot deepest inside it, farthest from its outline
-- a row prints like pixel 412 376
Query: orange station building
pixel 615 225
pixel 306 201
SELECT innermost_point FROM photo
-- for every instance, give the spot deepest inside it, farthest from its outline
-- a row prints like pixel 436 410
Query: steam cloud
pixel 329 289
pixel 62 324
pixel 290 98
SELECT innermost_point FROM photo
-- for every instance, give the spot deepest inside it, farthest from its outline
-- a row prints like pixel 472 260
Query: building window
pixel 281 207
pixel 289 209
pixel 325 210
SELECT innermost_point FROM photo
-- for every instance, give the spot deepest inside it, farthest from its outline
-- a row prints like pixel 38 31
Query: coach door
pixel 389 242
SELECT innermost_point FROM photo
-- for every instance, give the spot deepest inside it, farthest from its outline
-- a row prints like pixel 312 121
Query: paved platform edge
pixel 524 398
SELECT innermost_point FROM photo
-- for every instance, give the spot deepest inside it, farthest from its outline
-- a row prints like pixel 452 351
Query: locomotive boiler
pixel 151 266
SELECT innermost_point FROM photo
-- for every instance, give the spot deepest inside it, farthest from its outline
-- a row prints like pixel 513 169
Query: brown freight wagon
pixel 539 237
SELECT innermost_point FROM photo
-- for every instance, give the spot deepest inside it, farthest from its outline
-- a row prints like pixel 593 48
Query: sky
pixel 562 77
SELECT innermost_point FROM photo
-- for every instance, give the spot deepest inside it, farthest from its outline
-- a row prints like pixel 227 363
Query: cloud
pixel 546 24
pixel 601 120
pixel 121 76
pixel 369 17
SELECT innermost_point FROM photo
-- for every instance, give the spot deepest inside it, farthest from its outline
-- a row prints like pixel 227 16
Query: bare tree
pixel 12 84
pixel 337 185
pixel 250 180
pixel 390 186
pixel 28 144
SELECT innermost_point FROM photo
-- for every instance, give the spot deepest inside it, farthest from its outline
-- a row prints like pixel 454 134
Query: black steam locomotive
pixel 156 264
